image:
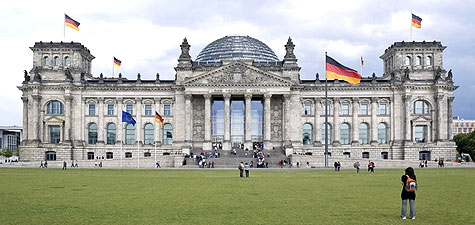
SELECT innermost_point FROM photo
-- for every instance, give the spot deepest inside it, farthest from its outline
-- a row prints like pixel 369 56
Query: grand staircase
pixel 229 160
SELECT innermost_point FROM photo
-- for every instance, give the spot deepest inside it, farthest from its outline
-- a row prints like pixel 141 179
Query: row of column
pixel 227 119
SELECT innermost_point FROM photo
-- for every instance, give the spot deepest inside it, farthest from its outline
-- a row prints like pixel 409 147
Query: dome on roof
pixel 236 48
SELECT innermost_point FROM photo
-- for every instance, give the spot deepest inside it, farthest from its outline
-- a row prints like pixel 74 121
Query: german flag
pixel 69 22
pixel 416 21
pixel 334 70
pixel 158 118
pixel 117 62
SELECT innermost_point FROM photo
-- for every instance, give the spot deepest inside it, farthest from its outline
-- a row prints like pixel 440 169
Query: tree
pixel 17 152
pixel 466 143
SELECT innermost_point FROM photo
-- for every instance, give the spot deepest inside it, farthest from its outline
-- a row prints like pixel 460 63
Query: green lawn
pixel 208 196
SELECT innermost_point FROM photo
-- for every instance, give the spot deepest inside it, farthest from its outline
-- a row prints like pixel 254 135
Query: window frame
pixel 110 109
pixel 364 108
pixel 345 140
pixel 167 108
pixel 148 112
pixel 346 111
pixel 148 139
pixel 91 134
pixel 92 109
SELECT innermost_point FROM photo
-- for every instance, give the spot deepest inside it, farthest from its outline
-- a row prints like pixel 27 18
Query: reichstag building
pixel 237 92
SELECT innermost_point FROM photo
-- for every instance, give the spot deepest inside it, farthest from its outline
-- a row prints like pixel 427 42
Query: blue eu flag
pixel 126 117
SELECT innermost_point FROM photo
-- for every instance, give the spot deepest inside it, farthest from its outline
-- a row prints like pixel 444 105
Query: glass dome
pixel 236 48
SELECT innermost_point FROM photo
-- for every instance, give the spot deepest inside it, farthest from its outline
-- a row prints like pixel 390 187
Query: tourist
pixel 408 193
pixel 64 165
pixel 339 165
pixel 308 164
pixel 357 166
pixel 76 164
pixel 246 167
pixel 298 164
pixel 425 163
pixel 335 164
pixel 41 164
pixel 241 169
pixel 46 164
pixel 371 167
pixel 212 164
pixel 251 164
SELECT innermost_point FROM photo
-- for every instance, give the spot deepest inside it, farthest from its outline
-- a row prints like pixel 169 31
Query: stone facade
pixel 404 114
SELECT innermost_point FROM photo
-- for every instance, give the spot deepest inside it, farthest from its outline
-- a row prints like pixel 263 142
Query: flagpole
pixel 138 154
pixel 64 28
pixel 410 38
pixel 326 115
pixel 121 153
pixel 155 150
pixel 113 67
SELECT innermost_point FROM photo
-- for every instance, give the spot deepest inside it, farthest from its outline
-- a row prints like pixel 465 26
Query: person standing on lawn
pixel 408 193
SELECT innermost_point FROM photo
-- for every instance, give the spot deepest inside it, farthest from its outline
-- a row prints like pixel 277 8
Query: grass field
pixel 94 196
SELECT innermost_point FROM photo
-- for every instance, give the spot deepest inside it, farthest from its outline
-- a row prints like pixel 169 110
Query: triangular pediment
pixel 421 119
pixel 238 73
pixel 53 119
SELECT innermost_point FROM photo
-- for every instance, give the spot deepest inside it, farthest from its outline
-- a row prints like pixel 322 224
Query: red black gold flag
pixel 158 118
pixel 334 70
pixel 117 62
pixel 416 21
pixel 69 22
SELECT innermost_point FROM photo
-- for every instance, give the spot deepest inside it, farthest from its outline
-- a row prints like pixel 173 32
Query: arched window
pixel 307 134
pixel 329 127
pixel 408 61
pixel 428 60
pixel 344 134
pixel 167 134
pixel 363 133
pixel 56 61
pixel 418 60
pixel 382 133
pixel 129 134
pixel 54 108
pixel 111 131
pixel 46 61
pixel 421 107
pixel 92 134
pixel 148 134
pixel 67 61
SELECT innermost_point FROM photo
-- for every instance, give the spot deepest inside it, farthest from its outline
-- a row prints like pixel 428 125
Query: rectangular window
pixel 364 109
pixel 308 109
pixel 90 155
pixel 328 109
pixel 110 110
pixel 345 109
pixel 54 134
pixel 148 109
pixel 92 109
pixel 166 110
pixel 382 109
pixel 460 130
pixel 420 133
pixel 129 109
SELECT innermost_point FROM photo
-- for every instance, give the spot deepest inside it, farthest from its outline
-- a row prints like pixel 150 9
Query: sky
pixel 145 35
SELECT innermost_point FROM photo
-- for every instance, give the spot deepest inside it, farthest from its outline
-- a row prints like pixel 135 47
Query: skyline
pixel 146 36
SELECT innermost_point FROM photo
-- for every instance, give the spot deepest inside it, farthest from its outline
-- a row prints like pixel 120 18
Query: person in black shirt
pixel 408 194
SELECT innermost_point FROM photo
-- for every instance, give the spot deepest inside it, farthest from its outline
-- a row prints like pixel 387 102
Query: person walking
pixel 64 165
pixel 409 187
pixel 357 166
pixel 371 167
pixel 246 167
pixel 241 169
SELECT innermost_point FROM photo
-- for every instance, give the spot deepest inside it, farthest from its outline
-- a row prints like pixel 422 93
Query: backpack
pixel 411 184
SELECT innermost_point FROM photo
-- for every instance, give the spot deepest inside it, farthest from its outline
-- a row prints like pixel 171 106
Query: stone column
pixel 354 122
pixel 336 122
pixel 267 121
pixel 248 138
pixel 36 117
pixel 138 116
pixel 207 143
pixel 67 115
pixel 188 118
pixel 440 128
pixel 317 129
pixel 450 119
pixel 227 122
pixel 25 118
pixel 286 125
pixel 120 125
pixel 407 118
pixel 100 125
pixel 158 135
pixel 374 125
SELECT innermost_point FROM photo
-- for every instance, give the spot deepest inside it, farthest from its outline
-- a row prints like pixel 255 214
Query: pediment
pixel 53 119
pixel 238 74
pixel 421 120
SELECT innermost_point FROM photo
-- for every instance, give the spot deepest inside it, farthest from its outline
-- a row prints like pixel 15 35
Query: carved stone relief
pixel 276 118
pixel 198 118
